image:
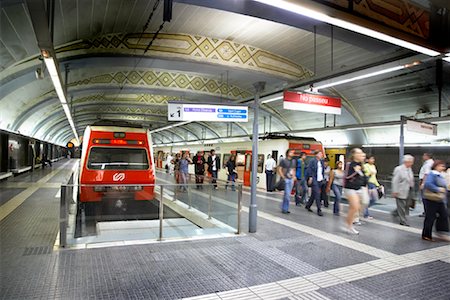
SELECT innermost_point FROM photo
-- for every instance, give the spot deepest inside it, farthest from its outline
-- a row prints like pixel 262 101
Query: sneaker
pixel 357 223
pixel 285 212
pixel 353 231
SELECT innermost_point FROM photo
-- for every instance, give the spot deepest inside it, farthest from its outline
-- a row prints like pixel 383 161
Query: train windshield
pixel 102 158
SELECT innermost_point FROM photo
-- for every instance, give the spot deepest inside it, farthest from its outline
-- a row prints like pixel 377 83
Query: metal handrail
pixel 66 191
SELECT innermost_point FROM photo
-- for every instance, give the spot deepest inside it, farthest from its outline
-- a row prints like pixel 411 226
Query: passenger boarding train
pixel 275 145
pixel 116 168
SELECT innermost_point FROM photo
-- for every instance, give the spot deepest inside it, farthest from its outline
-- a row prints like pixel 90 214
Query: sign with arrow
pixel 206 112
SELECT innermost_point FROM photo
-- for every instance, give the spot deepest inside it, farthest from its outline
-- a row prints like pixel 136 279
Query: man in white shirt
pixel 213 166
pixel 271 164
pixel 424 171
pixel 169 163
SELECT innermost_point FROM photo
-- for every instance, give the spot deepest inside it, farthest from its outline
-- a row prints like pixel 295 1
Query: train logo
pixel 119 176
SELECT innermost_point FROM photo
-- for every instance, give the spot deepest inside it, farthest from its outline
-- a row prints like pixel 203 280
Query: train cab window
pixel 260 163
pixel 117 159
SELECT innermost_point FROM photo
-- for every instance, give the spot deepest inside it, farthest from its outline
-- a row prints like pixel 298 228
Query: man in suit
pixel 213 166
pixel 402 187
pixel 316 179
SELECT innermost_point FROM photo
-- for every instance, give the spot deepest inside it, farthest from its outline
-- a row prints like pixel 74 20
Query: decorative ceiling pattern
pixel 166 80
pixel 192 47
pixel 399 14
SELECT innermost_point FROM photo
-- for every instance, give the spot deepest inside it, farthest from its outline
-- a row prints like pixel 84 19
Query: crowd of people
pixel 203 167
pixel 357 180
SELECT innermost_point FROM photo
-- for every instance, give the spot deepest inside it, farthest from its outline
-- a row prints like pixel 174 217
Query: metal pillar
pixel 259 87
pixel 401 151
pixel 439 83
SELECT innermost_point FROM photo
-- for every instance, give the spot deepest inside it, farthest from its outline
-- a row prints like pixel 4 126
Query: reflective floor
pixel 296 256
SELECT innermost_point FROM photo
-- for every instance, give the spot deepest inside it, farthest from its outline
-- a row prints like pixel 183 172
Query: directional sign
pixel 295 100
pixel 421 127
pixel 207 112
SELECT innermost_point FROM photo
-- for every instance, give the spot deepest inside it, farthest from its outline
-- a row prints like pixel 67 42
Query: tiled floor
pixel 300 256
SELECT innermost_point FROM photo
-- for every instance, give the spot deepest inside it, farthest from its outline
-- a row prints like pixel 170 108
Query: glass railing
pixel 91 215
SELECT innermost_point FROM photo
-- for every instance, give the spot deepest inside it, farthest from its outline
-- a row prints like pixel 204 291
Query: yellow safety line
pixel 17 200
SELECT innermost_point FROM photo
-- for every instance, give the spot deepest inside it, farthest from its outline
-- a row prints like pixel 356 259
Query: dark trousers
pixel 214 178
pixel 433 208
pixel 323 193
pixel 269 181
pixel 199 178
pixel 316 189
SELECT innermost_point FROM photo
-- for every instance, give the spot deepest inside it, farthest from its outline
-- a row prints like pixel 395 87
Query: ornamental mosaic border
pixel 167 80
pixel 193 47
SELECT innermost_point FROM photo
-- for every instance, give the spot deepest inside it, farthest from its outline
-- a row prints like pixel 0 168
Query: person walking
pixel 184 170
pixel 435 198
pixel 286 171
pixel 336 184
pixel 301 187
pixel 231 172
pixel 354 180
pixel 271 165
pixel 315 176
pixel 402 187
pixel 176 164
pixel 199 168
pixel 428 162
pixel 169 163
pixel 326 175
pixel 213 167
pixel 370 170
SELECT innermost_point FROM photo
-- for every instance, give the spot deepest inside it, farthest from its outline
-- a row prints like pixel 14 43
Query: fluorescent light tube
pixel 272 99
pixel 301 10
pixel 53 71
pixel 388 70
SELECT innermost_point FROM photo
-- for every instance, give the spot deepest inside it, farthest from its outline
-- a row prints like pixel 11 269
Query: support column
pixel 253 212
pixel 401 151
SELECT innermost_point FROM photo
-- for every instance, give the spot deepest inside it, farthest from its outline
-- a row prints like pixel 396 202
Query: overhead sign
pixel 421 127
pixel 207 112
pixel 295 100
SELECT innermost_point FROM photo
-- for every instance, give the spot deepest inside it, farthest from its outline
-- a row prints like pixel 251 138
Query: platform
pixel 298 256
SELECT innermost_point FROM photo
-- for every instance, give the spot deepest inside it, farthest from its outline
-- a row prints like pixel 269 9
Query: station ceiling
pixel 202 55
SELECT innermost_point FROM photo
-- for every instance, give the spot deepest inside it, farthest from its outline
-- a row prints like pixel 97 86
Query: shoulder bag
pixel 432 196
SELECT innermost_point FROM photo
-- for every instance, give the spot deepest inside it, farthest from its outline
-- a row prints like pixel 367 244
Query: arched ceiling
pixel 202 55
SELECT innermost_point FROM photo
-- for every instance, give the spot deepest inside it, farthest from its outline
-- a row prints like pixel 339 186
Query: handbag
pixel 280 185
pixel 432 196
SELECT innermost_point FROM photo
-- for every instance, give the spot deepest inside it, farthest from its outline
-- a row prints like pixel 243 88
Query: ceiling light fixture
pixel 57 84
pixel 359 77
pixel 264 101
pixel 170 126
pixel 310 13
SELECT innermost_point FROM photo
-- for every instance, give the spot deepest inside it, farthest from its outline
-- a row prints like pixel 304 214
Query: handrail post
pixel 161 214
pixel 239 209
pixel 189 196
pixel 210 201
pixel 63 217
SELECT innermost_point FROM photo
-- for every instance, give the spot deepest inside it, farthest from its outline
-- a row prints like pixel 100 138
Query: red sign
pixel 294 100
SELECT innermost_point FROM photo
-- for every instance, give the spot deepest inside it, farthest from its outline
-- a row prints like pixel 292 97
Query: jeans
pixel 433 208
pixel 214 178
pixel 316 189
pixel 184 180
pixel 232 179
pixel 301 190
pixel 337 190
pixel 373 198
pixel 288 185
pixel 269 181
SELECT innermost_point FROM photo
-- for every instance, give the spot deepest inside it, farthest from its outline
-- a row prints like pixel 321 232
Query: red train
pixel 116 168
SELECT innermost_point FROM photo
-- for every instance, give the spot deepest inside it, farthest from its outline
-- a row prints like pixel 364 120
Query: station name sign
pixel 295 100
pixel 421 127
pixel 207 112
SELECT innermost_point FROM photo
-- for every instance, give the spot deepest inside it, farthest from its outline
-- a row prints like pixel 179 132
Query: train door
pixel 335 155
pixel 248 168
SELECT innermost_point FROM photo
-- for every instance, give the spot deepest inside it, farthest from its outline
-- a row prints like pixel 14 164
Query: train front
pixel 117 170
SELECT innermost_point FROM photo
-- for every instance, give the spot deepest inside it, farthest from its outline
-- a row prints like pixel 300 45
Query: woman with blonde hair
pixel 354 180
